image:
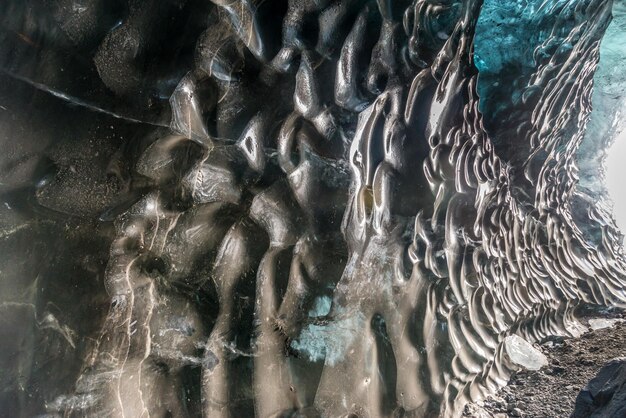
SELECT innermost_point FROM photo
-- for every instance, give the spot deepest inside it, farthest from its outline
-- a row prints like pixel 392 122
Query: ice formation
pixel 328 208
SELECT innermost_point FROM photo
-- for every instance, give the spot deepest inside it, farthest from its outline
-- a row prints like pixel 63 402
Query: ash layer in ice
pixel 330 227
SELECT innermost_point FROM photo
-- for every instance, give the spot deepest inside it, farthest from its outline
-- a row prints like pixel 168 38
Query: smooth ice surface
pixel 609 101
pixel 506 47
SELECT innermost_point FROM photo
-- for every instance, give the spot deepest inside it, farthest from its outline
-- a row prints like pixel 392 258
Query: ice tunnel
pixel 302 208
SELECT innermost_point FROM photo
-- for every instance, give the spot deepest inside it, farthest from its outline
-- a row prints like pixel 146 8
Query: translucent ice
pixel 522 353
pixel 601 323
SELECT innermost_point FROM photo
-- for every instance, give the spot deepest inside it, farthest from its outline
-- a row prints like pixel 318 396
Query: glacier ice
pixel 300 208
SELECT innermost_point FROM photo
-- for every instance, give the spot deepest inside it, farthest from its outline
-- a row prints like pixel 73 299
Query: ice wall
pixel 328 208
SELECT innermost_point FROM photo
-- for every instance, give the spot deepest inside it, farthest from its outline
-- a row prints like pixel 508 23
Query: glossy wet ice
pixel 343 218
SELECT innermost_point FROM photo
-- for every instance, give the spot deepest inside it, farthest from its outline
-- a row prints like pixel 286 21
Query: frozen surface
pixel 298 208
pixel 607 124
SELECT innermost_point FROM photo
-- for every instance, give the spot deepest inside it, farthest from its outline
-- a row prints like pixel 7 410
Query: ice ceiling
pixel 304 208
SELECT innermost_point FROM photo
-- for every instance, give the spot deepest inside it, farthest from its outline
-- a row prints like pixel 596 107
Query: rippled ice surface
pixel 336 208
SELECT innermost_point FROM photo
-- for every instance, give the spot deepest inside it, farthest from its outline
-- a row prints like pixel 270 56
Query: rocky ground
pixel 552 391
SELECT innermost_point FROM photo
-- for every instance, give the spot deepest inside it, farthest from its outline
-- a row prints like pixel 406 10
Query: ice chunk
pixel 523 354
pixel 601 323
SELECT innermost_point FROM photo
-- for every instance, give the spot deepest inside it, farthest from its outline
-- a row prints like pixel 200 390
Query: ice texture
pixel 336 208
pixel 604 137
